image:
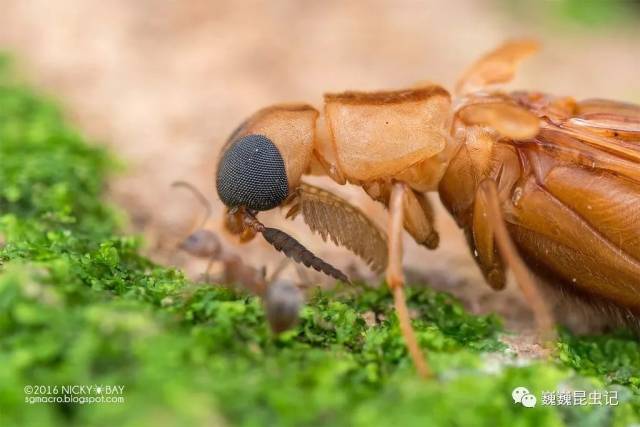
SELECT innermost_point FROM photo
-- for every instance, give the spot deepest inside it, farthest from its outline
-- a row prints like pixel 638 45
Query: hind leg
pixel 488 229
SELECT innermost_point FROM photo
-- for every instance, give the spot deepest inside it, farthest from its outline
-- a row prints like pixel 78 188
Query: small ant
pixel 282 299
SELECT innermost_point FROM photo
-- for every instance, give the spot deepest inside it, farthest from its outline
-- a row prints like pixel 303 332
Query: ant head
pixel 265 157
pixel 202 243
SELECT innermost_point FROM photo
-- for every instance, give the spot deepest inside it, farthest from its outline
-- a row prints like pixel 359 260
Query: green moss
pixel 615 357
pixel 79 305
pixel 581 14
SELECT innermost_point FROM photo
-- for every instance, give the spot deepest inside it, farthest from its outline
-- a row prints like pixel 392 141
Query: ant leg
pixel 284 263
pixel 207 272
pixel 487 210
pixel 303 275
pixel 395 277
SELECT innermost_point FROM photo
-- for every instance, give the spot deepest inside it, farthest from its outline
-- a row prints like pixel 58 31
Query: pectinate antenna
pixel 293 249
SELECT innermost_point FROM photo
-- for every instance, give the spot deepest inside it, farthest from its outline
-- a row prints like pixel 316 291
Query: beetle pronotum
pixel 528 176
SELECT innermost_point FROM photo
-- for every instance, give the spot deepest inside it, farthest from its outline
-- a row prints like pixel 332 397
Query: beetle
pixel 544 185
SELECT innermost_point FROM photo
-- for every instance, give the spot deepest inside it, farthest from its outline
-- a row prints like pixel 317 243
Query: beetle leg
pixel 419 219
pixel 395 277
pixel 487 209
pixel 482 242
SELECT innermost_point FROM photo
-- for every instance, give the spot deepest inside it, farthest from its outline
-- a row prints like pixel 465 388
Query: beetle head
pixel 260 166
pixel 265 157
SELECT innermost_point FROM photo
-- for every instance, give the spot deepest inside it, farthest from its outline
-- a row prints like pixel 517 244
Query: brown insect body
pixel 571 198
pixel 559 178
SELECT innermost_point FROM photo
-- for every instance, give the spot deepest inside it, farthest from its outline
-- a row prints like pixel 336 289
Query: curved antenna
pixel 198 195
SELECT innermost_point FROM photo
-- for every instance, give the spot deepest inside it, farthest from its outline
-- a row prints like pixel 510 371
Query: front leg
pixel 419 219
pixel 418 215
pixel 395 276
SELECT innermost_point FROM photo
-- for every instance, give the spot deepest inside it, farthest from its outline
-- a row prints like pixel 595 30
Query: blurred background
pixel 163 83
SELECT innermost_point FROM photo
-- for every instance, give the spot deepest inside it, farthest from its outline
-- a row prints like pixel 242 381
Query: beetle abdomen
pixel 583 227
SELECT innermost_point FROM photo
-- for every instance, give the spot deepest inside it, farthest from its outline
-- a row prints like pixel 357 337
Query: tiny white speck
pixel 517 195
pixel 573 280
pixel 475 252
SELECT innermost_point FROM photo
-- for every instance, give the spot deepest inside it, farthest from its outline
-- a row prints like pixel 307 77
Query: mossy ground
pixel 79 305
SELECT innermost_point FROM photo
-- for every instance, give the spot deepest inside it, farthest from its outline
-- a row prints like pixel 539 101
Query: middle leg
pixel 395 276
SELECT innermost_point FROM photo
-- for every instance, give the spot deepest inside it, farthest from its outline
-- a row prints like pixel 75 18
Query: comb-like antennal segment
pixel 293 249
pixel 201 198
pixel 297 252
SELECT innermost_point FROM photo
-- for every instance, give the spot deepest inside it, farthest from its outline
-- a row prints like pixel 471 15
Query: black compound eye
pixel 251 173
